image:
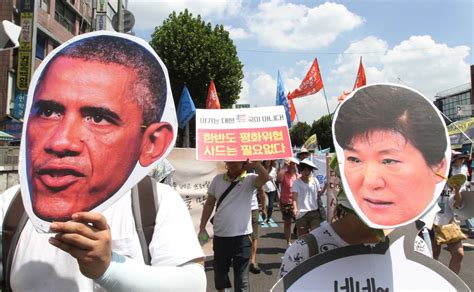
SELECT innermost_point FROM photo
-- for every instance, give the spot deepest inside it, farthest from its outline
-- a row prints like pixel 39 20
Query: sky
pixel 423 44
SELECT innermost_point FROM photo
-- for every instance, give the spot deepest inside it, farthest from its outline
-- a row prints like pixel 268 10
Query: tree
pixel 194 53
pixel 299 133
pixel 322 128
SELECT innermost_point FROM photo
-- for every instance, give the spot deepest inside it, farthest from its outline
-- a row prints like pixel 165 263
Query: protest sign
pixel 241 134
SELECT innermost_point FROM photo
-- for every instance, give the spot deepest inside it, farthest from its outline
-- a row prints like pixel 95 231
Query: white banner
pixel 191 180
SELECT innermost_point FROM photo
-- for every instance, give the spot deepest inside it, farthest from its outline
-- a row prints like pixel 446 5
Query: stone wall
pixel 8 177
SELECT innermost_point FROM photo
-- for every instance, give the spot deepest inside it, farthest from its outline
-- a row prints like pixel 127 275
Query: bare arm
pixel 262 174
pixel 263 199
pixel 295 199
pixel 206 212
pixel 457 197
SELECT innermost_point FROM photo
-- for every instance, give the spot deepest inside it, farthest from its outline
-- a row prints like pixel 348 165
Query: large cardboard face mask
pixel 99 116
pixel 392 146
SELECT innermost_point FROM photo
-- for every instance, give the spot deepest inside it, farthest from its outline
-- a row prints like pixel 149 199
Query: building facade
pixel 457 103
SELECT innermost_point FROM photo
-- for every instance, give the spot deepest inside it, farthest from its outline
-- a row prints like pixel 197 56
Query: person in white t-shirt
pixel 449 200
pixel 39 266
pixel 270 189
pixel 99 117
pixel 306 192
pixel 232 221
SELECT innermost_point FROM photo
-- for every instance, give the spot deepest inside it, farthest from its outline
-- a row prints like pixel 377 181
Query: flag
pixel 311 84
pixel 343 96
pixel 186 109
pixel 282 100
pixel 311 143
pixel 212 101
pixel 292 110
pixel 360 80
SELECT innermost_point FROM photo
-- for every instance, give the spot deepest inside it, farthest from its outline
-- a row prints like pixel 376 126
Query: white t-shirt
pixel 307 195
pixel 254 205
pixel 233 217
pixel 461 170
pixel 39 266
pixel 269 186
pixel 327 239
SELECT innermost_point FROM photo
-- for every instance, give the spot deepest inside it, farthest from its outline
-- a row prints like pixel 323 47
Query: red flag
pixel 343 96
pixel 212 101
pixel 360 80
pixel 292 110
pixel 311 84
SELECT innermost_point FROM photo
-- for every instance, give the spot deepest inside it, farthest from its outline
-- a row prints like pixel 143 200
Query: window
pixel 64 15
pixel 41 45
pixel 44 4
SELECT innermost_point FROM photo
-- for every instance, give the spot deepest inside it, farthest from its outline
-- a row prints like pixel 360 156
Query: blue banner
pixel 20 105
pixel 186 109
pixel 281 99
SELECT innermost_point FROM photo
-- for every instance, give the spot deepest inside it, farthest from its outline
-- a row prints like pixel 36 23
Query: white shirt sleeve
pixel 125 274
pixel 173 247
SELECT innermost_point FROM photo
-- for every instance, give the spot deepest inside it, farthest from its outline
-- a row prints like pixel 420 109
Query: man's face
pixel 83 136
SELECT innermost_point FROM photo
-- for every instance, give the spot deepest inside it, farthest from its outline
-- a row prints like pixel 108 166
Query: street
pixel 271 247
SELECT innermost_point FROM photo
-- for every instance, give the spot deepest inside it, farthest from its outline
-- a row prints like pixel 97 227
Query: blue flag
pixel 186 109
pixel 281 99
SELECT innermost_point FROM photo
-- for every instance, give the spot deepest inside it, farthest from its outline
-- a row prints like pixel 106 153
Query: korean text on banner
pixel 241 134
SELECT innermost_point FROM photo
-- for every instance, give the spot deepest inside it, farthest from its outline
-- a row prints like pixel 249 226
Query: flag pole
pixel 326 99
pixel 186 136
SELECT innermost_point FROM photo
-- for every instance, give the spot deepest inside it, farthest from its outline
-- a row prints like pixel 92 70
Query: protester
pixel 270 189
pixel 303 154
pixel 306 192
pixel 98 111
pixel 286 176
pixel 348 230
pixel 392 151
pixel 452 199
pixel 232 221
pixel 394 144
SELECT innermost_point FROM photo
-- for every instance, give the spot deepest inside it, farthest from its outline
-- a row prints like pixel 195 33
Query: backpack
pixel 144 210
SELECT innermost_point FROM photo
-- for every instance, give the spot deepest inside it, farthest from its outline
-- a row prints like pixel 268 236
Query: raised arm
pixel 262 174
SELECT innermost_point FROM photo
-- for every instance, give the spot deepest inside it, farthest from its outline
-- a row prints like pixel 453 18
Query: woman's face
pixel 388 177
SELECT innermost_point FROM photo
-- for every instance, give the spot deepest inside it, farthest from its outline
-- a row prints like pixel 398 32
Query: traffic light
pixel 9 34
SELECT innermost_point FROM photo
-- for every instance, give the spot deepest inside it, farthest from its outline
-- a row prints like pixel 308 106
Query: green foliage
pixel 194 53
pixel 299 133
pixel 322 128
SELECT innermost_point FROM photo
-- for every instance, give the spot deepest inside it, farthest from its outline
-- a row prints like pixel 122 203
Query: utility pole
pixel 120 15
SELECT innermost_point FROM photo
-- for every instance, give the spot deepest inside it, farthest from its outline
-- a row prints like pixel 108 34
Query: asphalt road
pixel 272 246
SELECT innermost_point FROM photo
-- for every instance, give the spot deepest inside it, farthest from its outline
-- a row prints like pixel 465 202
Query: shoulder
pixel 7 196
pixel 166 194
pixel 295 254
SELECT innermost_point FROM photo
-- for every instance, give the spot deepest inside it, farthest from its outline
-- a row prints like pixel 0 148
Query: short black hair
pixel 393 108
pixel 150 88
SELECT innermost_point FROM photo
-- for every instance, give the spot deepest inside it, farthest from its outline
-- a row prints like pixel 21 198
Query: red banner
pixel 212 101
pixel 360 80
pixel 311 84
pixel 292 110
